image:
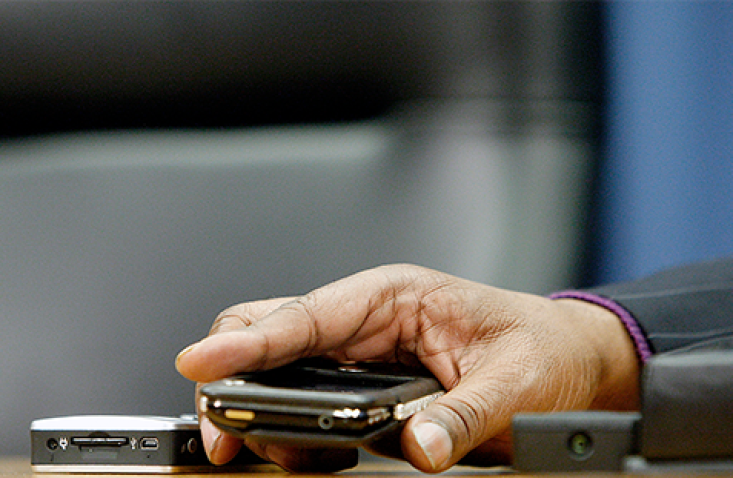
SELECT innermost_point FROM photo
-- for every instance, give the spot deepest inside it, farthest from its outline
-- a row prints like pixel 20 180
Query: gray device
pixel 573 441
pixel 121 444
pixel 686 407
pixel 685 424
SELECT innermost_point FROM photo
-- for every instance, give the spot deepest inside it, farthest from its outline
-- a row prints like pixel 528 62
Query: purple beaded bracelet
pixel 641 344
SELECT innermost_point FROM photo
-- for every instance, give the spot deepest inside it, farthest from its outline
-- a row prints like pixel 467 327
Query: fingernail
pixel 184 352
pixel 434 442
pixel 210 436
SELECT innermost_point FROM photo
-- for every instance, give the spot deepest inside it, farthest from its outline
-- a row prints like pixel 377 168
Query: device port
pixel 149 443
pixel 192 445
pixel 95 441
pixel 325 422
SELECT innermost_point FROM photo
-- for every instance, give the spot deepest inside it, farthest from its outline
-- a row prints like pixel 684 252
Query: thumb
pixel 439 437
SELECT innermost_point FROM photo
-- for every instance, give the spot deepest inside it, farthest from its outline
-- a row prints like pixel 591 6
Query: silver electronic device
pixel 121 444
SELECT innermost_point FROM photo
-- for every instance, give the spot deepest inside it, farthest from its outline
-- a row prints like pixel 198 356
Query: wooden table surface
pixel 17 467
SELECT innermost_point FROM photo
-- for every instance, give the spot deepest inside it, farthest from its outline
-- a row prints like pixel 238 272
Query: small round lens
pixel 580 445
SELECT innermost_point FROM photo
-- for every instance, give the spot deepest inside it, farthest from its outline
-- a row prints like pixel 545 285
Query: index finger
pixel 334 319
pixel 233 318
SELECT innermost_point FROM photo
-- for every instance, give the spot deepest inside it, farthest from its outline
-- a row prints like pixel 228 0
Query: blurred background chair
pixel 163 160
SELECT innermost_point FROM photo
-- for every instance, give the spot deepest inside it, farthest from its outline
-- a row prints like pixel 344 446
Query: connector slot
pixel 149 443
pixel 93 441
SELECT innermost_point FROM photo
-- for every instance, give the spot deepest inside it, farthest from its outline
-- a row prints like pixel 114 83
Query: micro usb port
pixel 149 443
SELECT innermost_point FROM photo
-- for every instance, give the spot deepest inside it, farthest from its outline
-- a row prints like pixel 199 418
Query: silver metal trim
pixel 88 423
pixel 126 469
pixel 403 411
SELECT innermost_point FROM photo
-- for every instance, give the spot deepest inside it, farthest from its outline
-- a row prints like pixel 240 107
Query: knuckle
pixel 468 416
pixel 306 306
pixel 234 317
pixel 245 314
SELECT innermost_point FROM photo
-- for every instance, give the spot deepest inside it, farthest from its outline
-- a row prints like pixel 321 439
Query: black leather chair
pixel 162 160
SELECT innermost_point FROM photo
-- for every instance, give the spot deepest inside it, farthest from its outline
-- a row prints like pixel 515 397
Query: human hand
pixel 497 352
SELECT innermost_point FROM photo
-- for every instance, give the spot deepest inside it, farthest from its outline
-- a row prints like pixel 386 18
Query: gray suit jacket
pixel 684 308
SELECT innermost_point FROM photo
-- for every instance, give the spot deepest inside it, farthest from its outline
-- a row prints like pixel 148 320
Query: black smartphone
pixel 122 444
pixel 318 402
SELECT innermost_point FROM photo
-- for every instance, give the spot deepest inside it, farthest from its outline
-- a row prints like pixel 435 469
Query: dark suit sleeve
pixel 681 308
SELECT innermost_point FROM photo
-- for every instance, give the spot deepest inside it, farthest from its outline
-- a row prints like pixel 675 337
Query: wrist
pixel 641 344
pixel 618 387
